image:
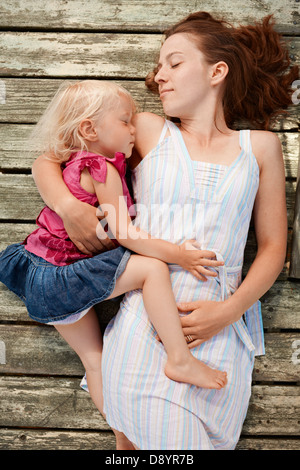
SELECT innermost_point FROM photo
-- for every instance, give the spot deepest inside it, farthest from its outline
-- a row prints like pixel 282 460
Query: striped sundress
pixel 179 199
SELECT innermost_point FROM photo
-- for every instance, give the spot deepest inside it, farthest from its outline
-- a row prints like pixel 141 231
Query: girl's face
pixel 183 76
pixel 115 132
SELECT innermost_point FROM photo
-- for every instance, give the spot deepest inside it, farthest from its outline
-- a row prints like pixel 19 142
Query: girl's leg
pixel 85 339
pixel 153 277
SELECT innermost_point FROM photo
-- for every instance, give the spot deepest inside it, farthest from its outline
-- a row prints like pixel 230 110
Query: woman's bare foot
pixel 196 373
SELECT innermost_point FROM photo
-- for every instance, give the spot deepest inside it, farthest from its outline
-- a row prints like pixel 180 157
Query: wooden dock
pixel 42 43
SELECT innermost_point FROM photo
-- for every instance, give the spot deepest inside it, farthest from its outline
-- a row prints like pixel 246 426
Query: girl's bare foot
pixel 196 373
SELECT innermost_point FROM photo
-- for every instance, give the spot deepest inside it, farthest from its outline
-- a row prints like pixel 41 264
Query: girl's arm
pixel 270 221
pixel 114 208
pixel 79 218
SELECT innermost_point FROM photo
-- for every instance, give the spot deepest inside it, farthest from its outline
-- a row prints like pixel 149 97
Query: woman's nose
pixel 160 76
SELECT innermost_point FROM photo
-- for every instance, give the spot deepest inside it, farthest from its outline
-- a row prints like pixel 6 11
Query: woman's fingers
pixel 93 245
pixel 195 343
pixel 188 307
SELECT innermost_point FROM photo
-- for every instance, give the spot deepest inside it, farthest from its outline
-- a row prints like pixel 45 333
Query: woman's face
pixel 183 76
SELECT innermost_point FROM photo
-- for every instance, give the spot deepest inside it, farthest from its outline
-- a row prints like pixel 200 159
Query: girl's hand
pixel 83 227
pixel 206 320
pixel 196 261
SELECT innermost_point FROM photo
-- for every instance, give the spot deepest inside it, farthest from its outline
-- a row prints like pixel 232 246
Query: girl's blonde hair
pixel 57 134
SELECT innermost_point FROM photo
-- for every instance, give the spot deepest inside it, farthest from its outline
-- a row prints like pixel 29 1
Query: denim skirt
pixel 54 293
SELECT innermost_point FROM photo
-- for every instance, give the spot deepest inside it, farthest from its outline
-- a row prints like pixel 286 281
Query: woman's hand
pixel 196 261
pixel 206 320
pixel 83 227
pixel 80 219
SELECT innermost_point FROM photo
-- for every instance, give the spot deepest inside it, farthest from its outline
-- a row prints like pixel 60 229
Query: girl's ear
pixel 219 72
pixel 87 130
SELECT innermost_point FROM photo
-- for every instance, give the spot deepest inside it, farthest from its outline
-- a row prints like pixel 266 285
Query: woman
pixel 205 179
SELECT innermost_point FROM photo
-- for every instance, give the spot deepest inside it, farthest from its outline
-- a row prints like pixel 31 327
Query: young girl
pixel 87 127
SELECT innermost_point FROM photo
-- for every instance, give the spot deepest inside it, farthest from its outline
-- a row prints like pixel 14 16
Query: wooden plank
pixel 282 360
pixel 14 233
pixel 47 403
pixel 36 439
pixel 15 148
pixel 26 99
pixel 58 403
pixel 19 198
pixel 268 444
pixel 33 439
pixel 44 352
pixel 273 410
pixel 85 54
pixel 280 307
pixel 78 54
pixel 129 15
pixel 295 246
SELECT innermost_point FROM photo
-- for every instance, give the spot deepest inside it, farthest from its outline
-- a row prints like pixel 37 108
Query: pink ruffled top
pixel 50 240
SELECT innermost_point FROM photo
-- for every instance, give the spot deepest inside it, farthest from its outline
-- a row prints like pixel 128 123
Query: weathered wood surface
pixel 20 198
pixel 55 403
pixel 15 148
pixel 280 307
pixel 33 439
pixel 101 55
pixel 26 99
pixel 295 246
pixel 44 352
pixel 137 15
pixel 41 403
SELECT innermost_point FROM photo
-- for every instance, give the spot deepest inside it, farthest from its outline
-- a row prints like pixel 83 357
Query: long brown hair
pixel 258 84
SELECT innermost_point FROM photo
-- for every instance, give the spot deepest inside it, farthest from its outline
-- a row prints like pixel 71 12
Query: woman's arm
pixel 270 221
pixel 80 220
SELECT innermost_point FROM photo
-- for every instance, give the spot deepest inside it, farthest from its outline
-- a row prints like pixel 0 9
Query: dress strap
pixel 245 141
pixel 182 153
pixel 163 132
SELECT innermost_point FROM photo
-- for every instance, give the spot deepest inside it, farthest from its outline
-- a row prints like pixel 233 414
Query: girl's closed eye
pixel 173 66
pixel 126 120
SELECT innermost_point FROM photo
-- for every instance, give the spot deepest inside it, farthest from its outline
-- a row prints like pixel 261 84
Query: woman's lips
pixel 164 92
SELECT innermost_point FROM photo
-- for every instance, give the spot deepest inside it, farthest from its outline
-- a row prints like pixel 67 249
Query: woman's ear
pixel 219 72
pixel 87 130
